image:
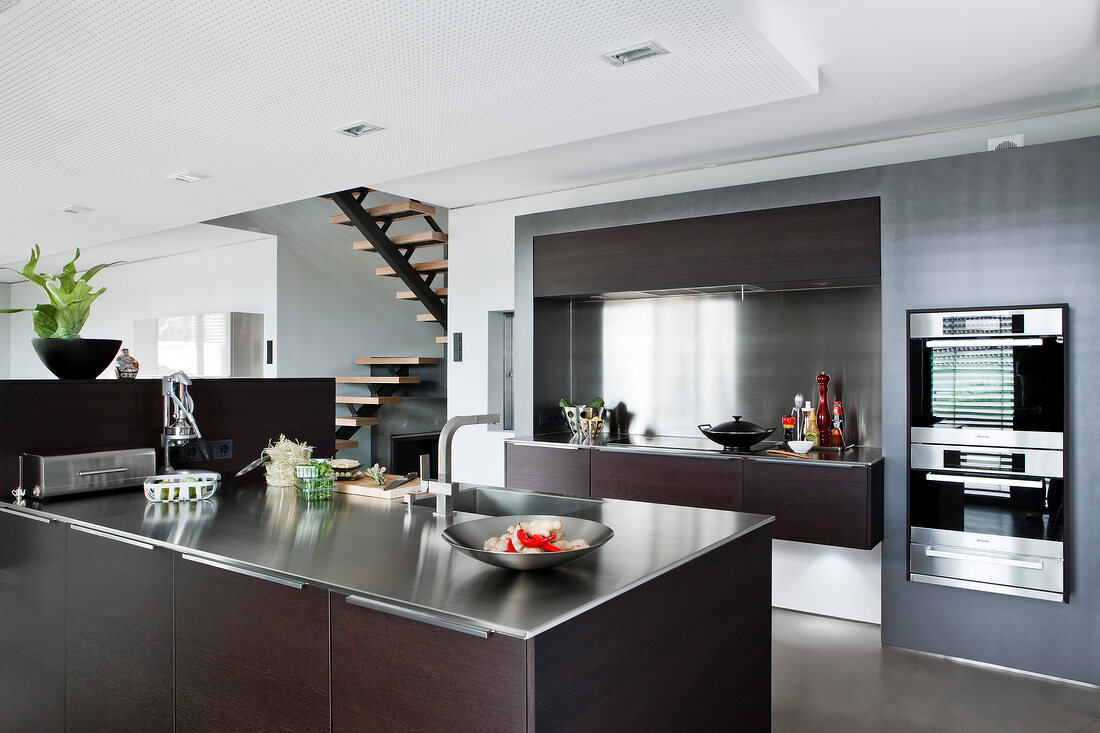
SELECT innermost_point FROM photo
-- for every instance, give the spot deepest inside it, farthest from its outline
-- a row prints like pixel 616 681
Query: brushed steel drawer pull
pixel 101 471
pixel 1011 562
pixel 985 480
pixel 44 520
pixel 115 537
pixel 420 614
pixel 245 571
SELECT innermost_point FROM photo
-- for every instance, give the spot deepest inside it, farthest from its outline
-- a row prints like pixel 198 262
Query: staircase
pixel 389 375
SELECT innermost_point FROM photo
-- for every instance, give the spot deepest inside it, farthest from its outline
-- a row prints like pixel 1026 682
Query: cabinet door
pixel 550 469
pixel 251 652
pixel 118 634
pixel 392 673
pixel 32 623
pixel 710 483
pixel 827 505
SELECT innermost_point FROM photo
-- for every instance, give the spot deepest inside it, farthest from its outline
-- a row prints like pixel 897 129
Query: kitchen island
pixel 257 610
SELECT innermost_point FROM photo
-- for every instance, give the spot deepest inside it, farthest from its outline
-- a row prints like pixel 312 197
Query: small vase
pixel 126 366
pixel 76 358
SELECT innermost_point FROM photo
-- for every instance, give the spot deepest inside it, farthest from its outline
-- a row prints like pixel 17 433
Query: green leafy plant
pixel 70 297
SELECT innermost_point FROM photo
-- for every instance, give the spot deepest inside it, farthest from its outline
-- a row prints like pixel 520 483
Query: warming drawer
pixel 50 475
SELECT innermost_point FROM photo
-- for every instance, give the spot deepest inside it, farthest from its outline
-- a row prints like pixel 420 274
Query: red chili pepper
pixel 551 548
pixel 511 547
pixel 535 540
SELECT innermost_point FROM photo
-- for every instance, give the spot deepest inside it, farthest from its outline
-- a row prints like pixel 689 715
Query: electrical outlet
pixel 189 452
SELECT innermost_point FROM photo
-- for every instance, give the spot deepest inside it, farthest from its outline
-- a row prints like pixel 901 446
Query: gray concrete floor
pixel 834 675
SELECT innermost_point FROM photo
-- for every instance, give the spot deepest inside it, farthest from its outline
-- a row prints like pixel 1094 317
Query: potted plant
pixel 58 322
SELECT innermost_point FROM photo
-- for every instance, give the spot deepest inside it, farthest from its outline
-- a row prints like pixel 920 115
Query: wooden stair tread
pixel 433 266
pixel 397 360
pixel 352 191
pixel 408 241
pixel 348 421
pixel 390 212
pixel 342 444
pixel 425 318
pixel 366 400
pixel 409 295
pixel 378 380
pixel 441 339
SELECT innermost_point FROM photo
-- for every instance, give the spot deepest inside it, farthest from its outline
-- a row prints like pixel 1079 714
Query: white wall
pixel 225 270
pixel 5 330
pixel 482 250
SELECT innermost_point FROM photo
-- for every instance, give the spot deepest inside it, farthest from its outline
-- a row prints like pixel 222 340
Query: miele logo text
pixel 979 539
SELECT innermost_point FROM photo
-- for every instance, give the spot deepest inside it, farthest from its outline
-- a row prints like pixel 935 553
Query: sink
pixel 500 503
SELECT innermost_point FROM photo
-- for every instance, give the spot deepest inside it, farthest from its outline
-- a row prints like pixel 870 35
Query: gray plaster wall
pixel 1001 228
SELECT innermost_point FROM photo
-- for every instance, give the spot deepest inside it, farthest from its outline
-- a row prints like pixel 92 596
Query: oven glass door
pixel 988 383
pixel 983 504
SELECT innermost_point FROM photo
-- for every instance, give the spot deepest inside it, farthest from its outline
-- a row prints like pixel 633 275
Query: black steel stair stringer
pixel 392 255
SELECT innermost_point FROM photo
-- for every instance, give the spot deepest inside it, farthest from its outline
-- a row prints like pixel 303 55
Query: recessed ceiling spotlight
pixel 75 209
pixel 358 129
pixel 5 4
pixel 190 176
pixel 625 56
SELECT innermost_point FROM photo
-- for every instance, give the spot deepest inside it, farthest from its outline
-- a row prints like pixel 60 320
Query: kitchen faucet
pixel 442 487
pixel 179 422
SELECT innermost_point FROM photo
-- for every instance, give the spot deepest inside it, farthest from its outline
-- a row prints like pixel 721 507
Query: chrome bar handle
pixel 984 480
pixel 44 520
pixel 987 559
pixel 244 571
pixel 101 471
pixel 115 537
pixel 423 615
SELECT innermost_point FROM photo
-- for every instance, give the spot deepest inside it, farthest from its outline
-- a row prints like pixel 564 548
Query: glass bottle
pixel 810 430
pixel 838 425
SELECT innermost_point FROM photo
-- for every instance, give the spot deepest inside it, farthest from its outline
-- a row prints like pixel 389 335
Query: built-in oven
pixel 987 414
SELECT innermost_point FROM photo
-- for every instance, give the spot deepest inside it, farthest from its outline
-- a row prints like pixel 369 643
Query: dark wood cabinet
pixel 251 652
pixel 828 505
pixel 837 240
pixel 552 469
pixel 710 483
pixel 118 635
pixel 394 673
pixel 32 623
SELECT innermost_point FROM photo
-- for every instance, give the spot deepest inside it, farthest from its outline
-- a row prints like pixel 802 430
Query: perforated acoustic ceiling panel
pixel 102 100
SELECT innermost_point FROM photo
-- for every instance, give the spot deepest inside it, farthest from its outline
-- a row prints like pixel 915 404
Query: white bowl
pixel 800 446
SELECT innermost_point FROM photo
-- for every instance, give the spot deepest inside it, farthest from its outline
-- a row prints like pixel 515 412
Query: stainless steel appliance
pixel 987 407
pixel 49 475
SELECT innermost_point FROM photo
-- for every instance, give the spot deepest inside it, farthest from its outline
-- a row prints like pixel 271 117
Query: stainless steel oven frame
pixel 987 460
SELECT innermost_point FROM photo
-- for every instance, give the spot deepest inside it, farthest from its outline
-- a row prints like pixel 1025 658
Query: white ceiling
pixel 102 100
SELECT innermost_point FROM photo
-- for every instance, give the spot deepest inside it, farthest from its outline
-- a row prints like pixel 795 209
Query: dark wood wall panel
pixel 87 415
pixel 811 242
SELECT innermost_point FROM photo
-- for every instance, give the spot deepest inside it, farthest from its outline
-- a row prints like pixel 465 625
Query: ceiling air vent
pixel 625 56
pixel 74 209
pixel 5 4
pixel 1005 142
pixel 190 176
pixel 358 129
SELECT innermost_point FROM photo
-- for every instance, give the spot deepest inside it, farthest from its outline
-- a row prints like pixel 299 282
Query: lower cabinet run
pixel 118 634
pixel 709 483
pixel 251 651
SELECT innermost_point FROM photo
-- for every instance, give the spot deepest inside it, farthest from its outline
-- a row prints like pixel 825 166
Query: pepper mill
pixel 824 419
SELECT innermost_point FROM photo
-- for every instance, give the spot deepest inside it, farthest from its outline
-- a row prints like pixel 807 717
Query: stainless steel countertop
pixel 859 455
pixel 382 549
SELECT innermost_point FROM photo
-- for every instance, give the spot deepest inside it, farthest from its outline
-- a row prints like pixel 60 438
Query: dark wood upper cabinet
pixel 118 636
pixel 251 653
pixel 710 483
pixel 793 244
pixel 827 505
pixel 549 469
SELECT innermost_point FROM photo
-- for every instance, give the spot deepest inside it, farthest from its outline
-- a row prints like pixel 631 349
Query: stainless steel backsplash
pixel 669 363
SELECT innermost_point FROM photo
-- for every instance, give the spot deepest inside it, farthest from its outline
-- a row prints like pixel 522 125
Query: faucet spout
pixel 443 489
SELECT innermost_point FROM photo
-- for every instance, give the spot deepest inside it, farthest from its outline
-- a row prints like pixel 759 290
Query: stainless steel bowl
pixel 469 538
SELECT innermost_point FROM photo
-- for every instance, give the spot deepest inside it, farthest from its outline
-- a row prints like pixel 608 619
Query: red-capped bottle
pixel 838 425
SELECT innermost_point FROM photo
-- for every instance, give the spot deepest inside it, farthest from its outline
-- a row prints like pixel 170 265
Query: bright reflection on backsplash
pixel 676 362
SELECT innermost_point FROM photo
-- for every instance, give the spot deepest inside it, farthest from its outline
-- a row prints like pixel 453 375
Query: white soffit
pixel 102 100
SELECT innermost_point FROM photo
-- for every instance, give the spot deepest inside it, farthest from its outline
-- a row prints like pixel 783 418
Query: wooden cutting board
pixel 365 486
